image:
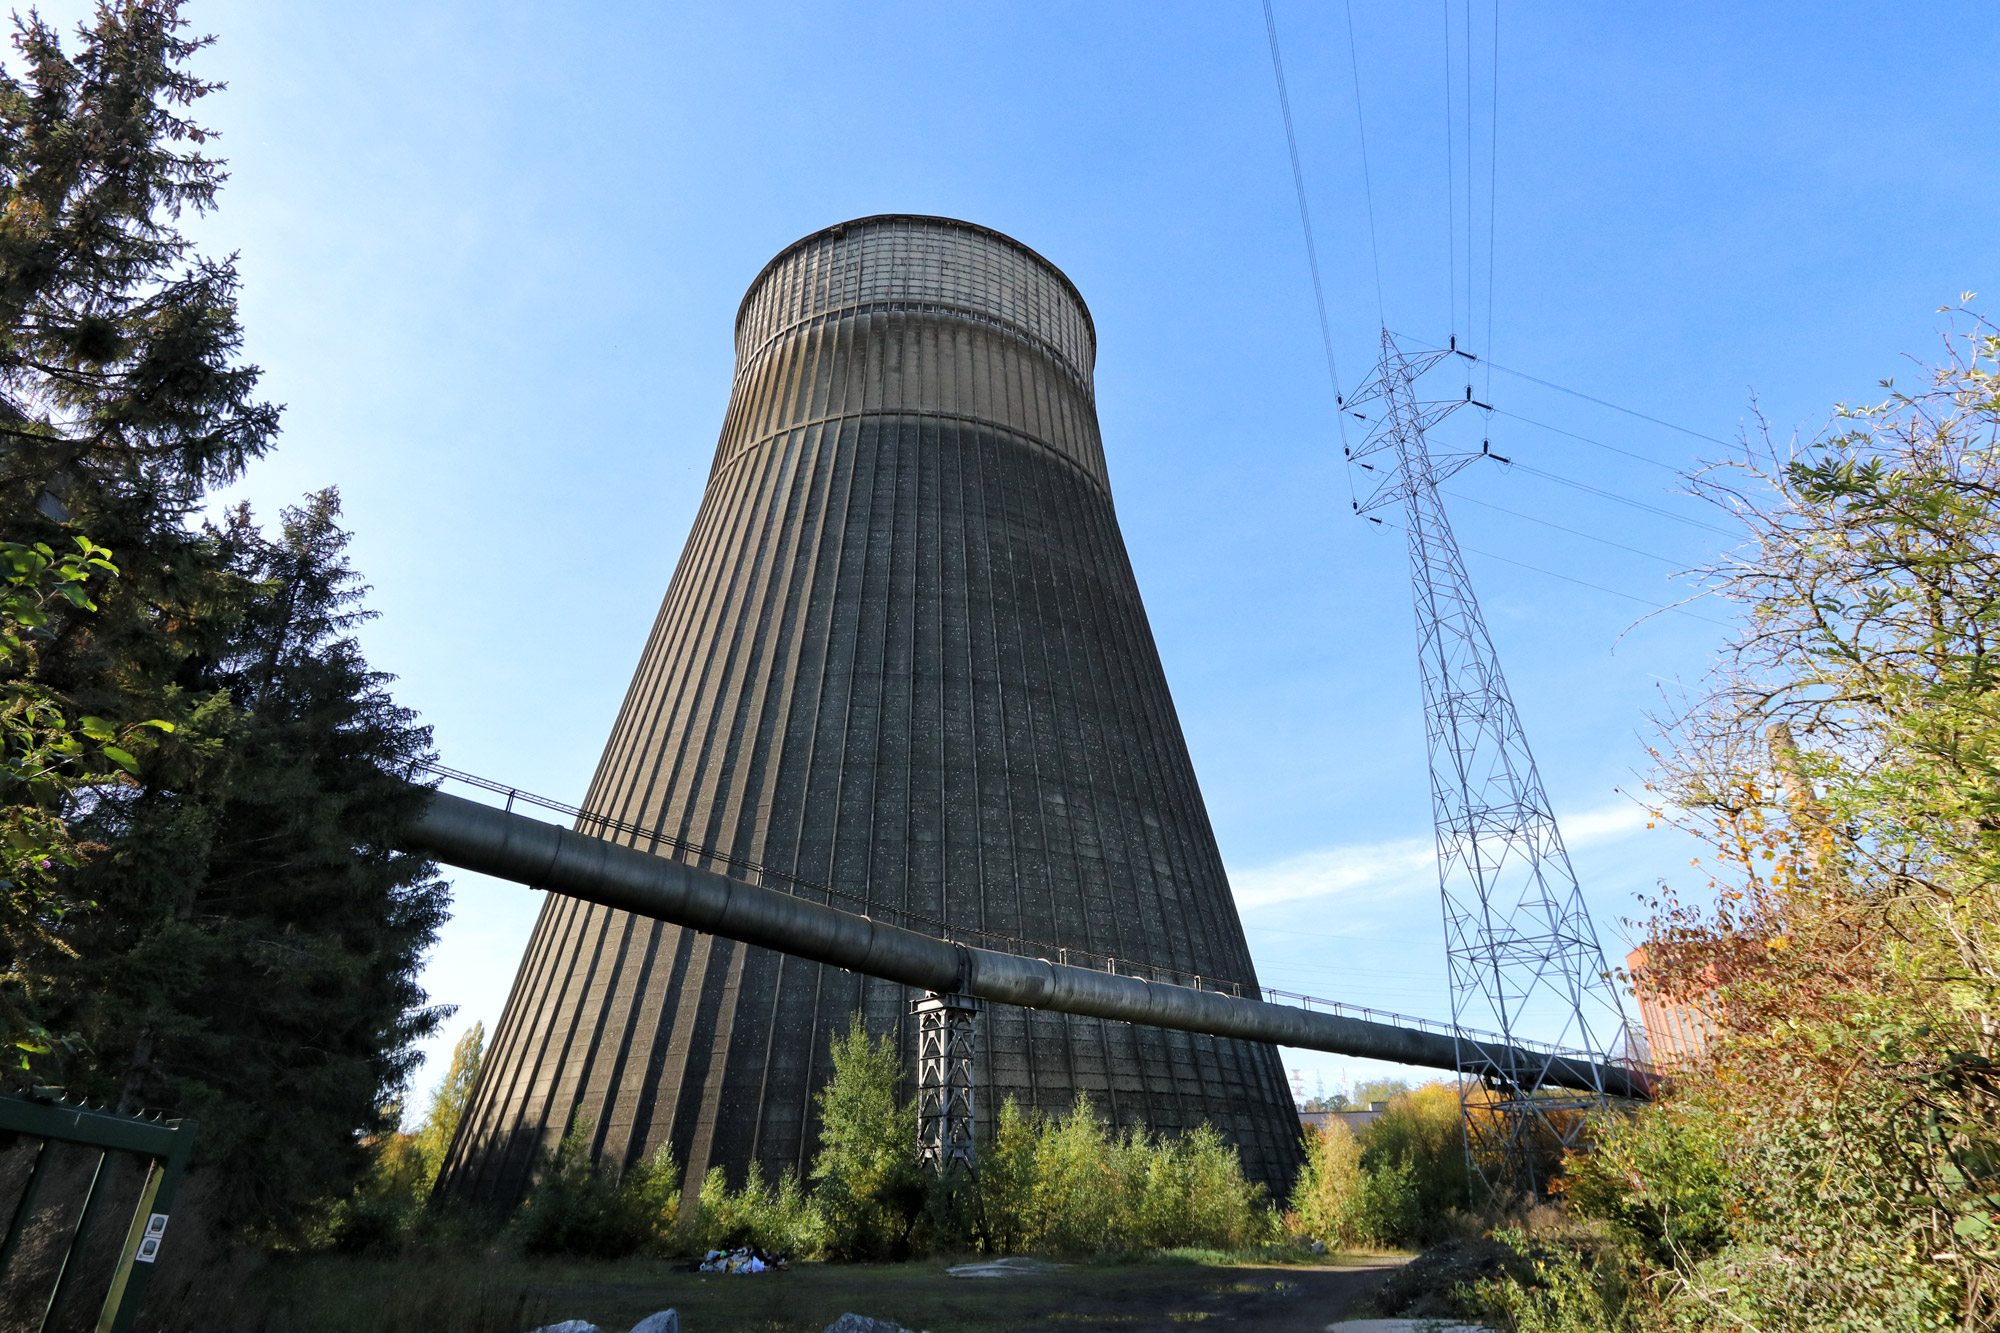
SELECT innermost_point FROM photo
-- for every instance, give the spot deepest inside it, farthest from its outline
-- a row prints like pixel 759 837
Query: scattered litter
pixel 1003 1268
pixel 568 1326
pixel 745 1259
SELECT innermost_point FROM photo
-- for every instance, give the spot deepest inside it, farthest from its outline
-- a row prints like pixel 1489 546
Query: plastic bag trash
pixel 743 1259
pixel 568 1326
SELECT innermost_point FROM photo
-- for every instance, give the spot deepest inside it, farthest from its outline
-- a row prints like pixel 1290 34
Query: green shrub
pixel 1079 1184
pixel 1072 1186
pixel 1578 1286
pixel 1327 1202
pixel 433 1138
pixel 1657 1178
pixel 585 1209
pixel 867 1183
pixel 386 1209
pixel 1007 1178
pixel 380 1211
pixel 1414 1153
pixel 1190 1192
pixel 779 1219
pixel 1391 1209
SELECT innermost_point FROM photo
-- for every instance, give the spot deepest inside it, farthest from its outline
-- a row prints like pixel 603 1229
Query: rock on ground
pixel 1002 1268
pixel 666 1321
pixel 861 1323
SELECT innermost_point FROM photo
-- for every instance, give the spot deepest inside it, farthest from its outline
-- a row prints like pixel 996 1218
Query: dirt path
pixel 1115 1298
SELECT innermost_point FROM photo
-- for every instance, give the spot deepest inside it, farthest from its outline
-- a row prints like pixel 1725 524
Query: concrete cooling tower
pixel 902 668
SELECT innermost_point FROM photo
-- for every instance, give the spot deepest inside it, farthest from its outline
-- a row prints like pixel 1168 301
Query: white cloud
pixel 1607 825
pixel 1371 871
pixel 1366 870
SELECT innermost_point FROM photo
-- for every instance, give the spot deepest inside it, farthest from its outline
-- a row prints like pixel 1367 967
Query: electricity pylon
pixel 1519 941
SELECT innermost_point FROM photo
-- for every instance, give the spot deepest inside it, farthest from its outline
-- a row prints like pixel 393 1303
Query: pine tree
pixel 240 943
pixel 252 959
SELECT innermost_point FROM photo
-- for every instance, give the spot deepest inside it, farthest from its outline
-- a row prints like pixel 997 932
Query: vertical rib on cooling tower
pixel 903 655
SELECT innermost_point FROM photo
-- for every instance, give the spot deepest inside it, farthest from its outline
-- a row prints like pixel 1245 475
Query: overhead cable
pixel 1299 186
pixel 1605 541
pixel 1367 179
pixel 1543 425
pixel 1306 226
pixel 1603 494
pixel 1656 608
pixel 1630 412
pixel 1578 393
pixel 1451 190
pixel 1584 583
pixel 1492 186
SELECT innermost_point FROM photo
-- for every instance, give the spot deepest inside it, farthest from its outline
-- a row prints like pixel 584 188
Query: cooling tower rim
pixel 873 219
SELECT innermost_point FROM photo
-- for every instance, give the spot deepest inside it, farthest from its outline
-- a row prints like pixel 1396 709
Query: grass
pixel 473 1294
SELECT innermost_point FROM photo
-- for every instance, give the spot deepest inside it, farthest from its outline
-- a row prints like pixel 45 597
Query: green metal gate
pixel 162 1145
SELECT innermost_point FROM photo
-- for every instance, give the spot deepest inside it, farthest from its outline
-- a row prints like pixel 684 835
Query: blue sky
pixel 491 255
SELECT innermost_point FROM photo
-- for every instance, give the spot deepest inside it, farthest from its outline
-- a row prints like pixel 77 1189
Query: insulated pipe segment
pixel 508 846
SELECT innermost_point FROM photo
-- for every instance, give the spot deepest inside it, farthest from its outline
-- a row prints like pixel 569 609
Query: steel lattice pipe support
pixel 945 1045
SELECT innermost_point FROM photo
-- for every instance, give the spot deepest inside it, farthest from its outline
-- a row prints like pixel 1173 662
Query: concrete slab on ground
pixel 1403 1326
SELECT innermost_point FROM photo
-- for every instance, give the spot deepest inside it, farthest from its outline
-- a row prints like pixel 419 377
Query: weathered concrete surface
pixel 903 654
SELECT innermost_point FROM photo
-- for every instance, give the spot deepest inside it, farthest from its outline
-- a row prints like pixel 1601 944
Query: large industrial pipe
pixel 508 846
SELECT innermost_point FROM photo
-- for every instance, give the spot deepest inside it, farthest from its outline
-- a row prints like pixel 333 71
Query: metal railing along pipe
pixel 511 846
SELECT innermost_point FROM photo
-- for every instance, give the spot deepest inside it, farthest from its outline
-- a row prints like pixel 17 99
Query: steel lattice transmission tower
pixel 1519 941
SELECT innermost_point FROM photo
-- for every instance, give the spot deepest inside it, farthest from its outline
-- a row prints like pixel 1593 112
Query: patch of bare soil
pixel 1092 1298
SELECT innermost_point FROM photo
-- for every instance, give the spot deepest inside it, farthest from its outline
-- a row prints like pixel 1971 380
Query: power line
pixel 1581 583
pixel 1305 225
pixel 1470 184
pixel 1578 393
pixel 1299 186
pixel 1605 541
pixel 1628 411
pixel 1451 188
pixel 1492 187
pixel 1615 498
pixel 1367 179
pixel 1543 425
